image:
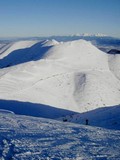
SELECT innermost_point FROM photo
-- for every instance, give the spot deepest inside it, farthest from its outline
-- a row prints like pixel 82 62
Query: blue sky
pixel 59 17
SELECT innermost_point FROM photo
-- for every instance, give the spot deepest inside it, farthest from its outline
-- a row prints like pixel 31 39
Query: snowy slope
pixel 23 137
pixel 72 75
pixel 10 47
pixel 106 117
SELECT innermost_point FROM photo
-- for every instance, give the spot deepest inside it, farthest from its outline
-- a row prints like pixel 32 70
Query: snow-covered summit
pixel 49 42
pixel 78 54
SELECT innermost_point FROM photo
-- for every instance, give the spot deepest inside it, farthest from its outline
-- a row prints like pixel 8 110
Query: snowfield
pixel 23 137
pixel 71 75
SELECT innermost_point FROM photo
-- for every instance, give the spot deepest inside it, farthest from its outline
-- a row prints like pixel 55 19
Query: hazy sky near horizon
pixel 59 17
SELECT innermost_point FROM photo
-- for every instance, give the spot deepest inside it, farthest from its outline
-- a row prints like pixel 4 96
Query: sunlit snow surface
pixel 23 138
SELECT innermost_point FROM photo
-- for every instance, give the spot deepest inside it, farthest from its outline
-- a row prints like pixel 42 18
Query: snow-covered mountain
pixel 72 75
pixel 67 81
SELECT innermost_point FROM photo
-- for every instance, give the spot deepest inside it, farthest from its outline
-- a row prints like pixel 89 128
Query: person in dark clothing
pixel 86 122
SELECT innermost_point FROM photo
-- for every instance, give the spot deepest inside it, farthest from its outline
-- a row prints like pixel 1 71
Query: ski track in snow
pixel 23 137
pixel 40 80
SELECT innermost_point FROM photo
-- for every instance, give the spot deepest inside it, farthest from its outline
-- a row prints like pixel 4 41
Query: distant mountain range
pixel 103 42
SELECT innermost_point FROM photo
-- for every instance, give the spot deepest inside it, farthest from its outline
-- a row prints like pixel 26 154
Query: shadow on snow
pixel 19 56
pixel 33 109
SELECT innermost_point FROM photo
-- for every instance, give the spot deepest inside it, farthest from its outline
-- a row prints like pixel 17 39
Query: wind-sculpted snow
pixel 72 75
pixel 23 138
